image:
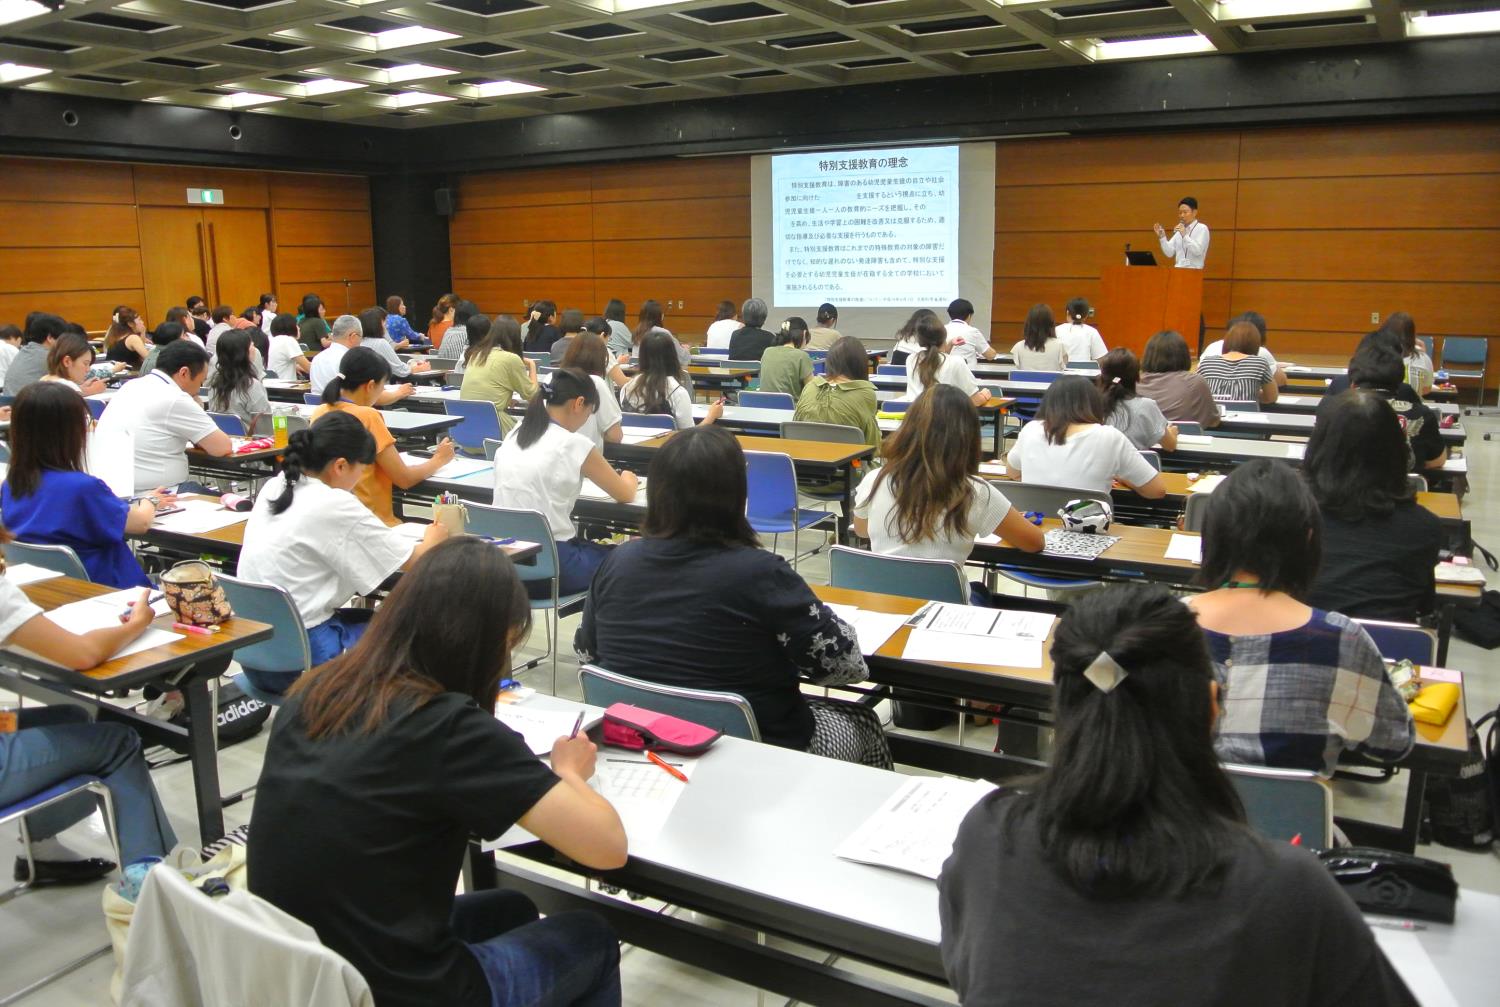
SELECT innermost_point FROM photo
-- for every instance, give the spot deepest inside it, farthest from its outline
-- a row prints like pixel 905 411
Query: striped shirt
pixel 1237 380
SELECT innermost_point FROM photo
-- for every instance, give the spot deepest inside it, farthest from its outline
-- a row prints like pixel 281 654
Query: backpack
pixel 239 716
pixel 1460 811
pixel 1480 625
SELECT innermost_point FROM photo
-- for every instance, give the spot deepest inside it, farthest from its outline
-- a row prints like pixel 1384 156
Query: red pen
pixel 200 630
pixel 1297 839
pixel 669 768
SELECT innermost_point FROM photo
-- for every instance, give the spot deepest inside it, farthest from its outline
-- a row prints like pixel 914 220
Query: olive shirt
pixel 500 376
pixel 851 403
pixel 785 369
pixel 312 331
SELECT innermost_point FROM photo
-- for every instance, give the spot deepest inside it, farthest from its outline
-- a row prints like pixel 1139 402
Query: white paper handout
pixel 642 792
pixel 22 574
pixel 592 491
pixel 1404 950
pixel 914 829
pixel 634 435
pixel 1194 439
pixel 1296 449
pixel 992 468
pixel 1205 484
pixel 1185 547
pixel 963 648
pixel 103 612
pixel 197 517
pixel 540 728
pixel 458 468
pixel 1458 573
pixel 872 629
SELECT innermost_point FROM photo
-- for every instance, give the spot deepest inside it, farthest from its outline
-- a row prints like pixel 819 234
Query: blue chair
pixel 926 579
pixel 529 526
pixel 96 406
pixel 767 400
pixel 286 652
pixel 59 558
pixel 1049 500
pixel 705 351
pixel 1240 405
pixel 1282 804
pixel 895 405
pixel 1402 641
pixel 229 423
pixel 891 369
pixel 1028 402
pixel 820 367
pixel 19 811
pixel 1044 377
pixel 1471 353
pixel 480 420
pixel 720 711
pixel 491 446
pixel 1083 365
pixel 648 421
pixel 1153 459
pixel 773 503
pixel 1187 426
pixel 312 399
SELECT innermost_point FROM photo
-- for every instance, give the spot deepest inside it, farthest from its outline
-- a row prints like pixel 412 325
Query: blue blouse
pixel 398 328
pixel 77 510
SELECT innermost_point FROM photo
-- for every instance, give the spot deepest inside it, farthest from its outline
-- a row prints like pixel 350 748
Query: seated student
pixel 286 358
pixel 843 393
pixel 372 334
pixel 161 336
pixel 569 324
pixel 724 325
pixel 383 763
pixel 495 371
pixel 1238 374
pixel 541 329
pixel 69 362
pixel 589 355
pixel 621 339
pixel 739 619
pixel 197 321
pixel 964 341
pixel 1167 378
pixel 1138 417
pixel 907 344
pixel 235 387
pixel 1377 367
pixel 162 413
pixel 1379 544
pixel 927 499
pixel 785 365
pixel 1069 445
pixel 356 389
pixel 1081 341
pixel 402 335
pixel 55 743
pixel 458 336
pixel 824 332
pixel 541 467
pixel 309 533
pixel 30 363
pixel 49 499
pixel 312 323
pixel 223 318
pixel 1298 684
pixel 125 341
pixel 345 334
pixel 932 364
pixel 10 345
pixel 1384 337
pixel 1255 318
pixel 662 386
pixel 1126 873
pixel 442 319
pixel 750 341
pixel 1039 348
pixel 1419 369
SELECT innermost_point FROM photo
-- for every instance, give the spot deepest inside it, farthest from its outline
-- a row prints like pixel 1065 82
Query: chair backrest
pixel 1398 641
pixel 1045 377
pixel 4 452
pixel 1083 365
pixel 820 366
pixel 6 400
pixel 744 365
pixel 60 558
pixel 1196 511
pixel 525 525
pixel 491 445
pixel 96 406
pixel 312 399
pixel 544 355
pixel 480 420
pixel 1282 804
pixel 1188 426
pixel 1464 350
pixel 832 433
pixel 721 711
pixel 287 650
pixel 895 405
pixel 927 579
pixel 712 351
pixel 1152 458
pixel 1417 484
pixel 772 485
pixel 1047 499
pixel 767 400
pixel 890 369
pixel 650 421
pixel 1240 405
pixel 229 423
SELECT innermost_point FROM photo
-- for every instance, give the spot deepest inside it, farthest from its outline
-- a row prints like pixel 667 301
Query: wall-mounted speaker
pixel 70 118
pixel 235 133
pixel 443 202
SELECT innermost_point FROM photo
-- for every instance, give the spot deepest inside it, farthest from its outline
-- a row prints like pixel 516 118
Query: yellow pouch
pixel 1435 703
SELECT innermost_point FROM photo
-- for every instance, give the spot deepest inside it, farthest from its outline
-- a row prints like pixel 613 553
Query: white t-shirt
pixel 266 317
pixel 966 342
pixel 1091 459
pixel 8 353
pixel 325 366
pixel 679 400
pixel 164 420
pixel 545 477
pixel 324 549
pixel 952 371
pixel 15 608
pixel 284 350
pixel 606 416
pixel 212 342
pixel 1216 349
pixel 719 333
pixel 1082 342
pixel 877 505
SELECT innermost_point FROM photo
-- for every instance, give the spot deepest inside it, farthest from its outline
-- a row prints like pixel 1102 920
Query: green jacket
pixel 851 403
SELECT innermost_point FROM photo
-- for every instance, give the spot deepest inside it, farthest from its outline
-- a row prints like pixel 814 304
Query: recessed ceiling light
pixel 1245 10
pixel 1467 23
pixel 12 72
pixel 413 71
pixel 622 6
pixel 12 11
pixel 245 99
pixel 500 88
pixel 406 99
pixel 1141 48
pixel 399 38
pixel 328 86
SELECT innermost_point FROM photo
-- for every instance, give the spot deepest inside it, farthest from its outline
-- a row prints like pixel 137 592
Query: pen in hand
pixel 576 725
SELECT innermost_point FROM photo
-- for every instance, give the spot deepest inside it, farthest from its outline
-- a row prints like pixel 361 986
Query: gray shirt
pixel 30 364
pixel 1139 419
pixel 382 346
pixel 620 338
pixel 247 404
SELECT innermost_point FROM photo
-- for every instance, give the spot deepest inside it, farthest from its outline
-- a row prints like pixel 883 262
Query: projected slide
pixel 869 228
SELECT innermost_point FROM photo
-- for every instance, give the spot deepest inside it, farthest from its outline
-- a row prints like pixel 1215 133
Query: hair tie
pixel 1115 380
pixel 1105 673
pixel 340 376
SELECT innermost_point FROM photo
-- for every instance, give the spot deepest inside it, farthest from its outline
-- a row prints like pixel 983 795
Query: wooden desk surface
pixel 234 633
pixel 822 452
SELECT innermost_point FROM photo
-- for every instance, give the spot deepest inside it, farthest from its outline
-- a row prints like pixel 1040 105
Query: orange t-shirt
pixel 435 333
pixel 374 487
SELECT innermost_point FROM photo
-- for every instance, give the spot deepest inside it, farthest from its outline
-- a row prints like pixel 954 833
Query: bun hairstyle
pixel 1078 309
pixel 793 332
pixel 335 435
pixel 827 314
pixel 568 383
pixel 358 368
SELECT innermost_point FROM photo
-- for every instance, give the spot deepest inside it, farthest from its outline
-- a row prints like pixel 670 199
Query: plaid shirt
pixel 1298 698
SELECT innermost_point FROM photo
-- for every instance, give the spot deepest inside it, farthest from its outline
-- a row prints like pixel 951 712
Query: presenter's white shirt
pixel 1082 342
pixel 545 477
pixel 717 337
pixel 952 371
pixel 1216 349
pixel 966 342
pixel 1189 248
pixel 164 420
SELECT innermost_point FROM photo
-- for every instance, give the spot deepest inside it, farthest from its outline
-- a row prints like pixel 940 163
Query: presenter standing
pixel 1188 244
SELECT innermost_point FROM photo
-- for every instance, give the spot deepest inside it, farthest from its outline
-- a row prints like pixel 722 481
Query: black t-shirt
pixel 362 837
pixel 1379 568
pixel 731 619
pixel 1277 932
pixel 748 343
pixel 202 327
pixel 1418 420
pixel 121 353
pixel 542 341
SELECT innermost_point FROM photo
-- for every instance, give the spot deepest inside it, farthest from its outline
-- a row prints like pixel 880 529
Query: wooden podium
pixel 1140 301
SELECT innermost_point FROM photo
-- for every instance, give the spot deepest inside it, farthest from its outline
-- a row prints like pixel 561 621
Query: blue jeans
pixel 326 641
pixel 566 959
pixel 577 560
pixel 57 742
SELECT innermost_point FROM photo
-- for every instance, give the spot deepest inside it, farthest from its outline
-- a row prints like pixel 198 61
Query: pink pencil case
pixel 629 726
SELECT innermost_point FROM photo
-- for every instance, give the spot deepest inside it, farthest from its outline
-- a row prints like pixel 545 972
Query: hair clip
pixel 1115 380
pixel 1105 673
pixel 340 376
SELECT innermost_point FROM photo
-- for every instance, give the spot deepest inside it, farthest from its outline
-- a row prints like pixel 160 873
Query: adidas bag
pixel 239 717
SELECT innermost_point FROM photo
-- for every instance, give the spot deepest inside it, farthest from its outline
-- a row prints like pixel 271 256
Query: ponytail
pixel 1119 370
pixel 1078 310
pixel 358 368
pixel 336 435
pixel 932 337
pixel 568 383
pixel 540 312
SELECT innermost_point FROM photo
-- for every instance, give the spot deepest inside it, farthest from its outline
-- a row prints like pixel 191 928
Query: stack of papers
pixel 1186 547
pixel 872 629
pixel 458 468
pixel 961 634
pixel 591 491
pixel 914 829
pixel 1458 573
pixel 634 435
pixel 541 728
pixel 992 468
pixel 22 574
pixel 198 517
pixel 1205 484
pixel 1194 439
pixel 104 612
pixel 642 792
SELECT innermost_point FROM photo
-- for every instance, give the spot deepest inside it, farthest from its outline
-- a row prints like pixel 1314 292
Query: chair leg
pixel 52 977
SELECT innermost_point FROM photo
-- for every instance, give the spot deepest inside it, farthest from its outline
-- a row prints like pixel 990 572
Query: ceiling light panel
pixel 1468 23
pixel 12 11
pixel 1145 48
pixel 400 38
pixel 12 72
pixel 1255 10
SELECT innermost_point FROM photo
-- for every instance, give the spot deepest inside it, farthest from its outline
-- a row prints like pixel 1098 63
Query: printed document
pixel 914 829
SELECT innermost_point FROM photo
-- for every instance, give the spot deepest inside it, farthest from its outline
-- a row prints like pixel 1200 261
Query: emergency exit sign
pixel 214 196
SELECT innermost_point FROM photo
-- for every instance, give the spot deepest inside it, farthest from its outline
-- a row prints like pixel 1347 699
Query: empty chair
pixel 1417 483
pixel 895 405
pixel 1187 426
pixel 773 503
pixel 480 420
pixel 1045 377
pixel 926 579
pixel 229 423
pixel 1402 641
pixel 767 400
pixel 1153 459
pixel 60 558
pixel 721 711
pixel 1239 405
pixel 271 666
pixel 96 406
pixel 891 369
pixel 1282 804
pixel 1196 511
pixel 648 421
pixel 312 399
pixel 832 433
pixel 1470 353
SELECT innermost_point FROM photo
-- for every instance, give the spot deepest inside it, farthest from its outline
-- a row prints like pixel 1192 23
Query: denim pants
pixel 326 641
pixel 566 959
pixel 577 560
pixel 57 742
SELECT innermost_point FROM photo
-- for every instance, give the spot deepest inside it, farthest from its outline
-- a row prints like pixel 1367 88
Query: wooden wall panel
pixel 290 190
pixel 510 296
pixel 680 179
pixel 1015 298
pixel 552 258
pixel 1406 148
pixel 1439 308
pixel 67 225
pixel 321 227
pixel 526 187
pixel 27 270
pixel 1122 206
pixel 1435 256
pixel 335 263
pixel 688 218
pixel 44 181
pixel 702 257
pixel 361 295
pixel 1378 202
pixel 167 185
pixel 89 308
pixel 1083 254
pixel 508 224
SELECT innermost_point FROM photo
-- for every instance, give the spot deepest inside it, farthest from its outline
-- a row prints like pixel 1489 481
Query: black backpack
pixel 240 717
pixel 1461 811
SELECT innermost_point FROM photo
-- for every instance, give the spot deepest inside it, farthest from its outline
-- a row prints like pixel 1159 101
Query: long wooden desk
pixel 189 664
pixel 1299 425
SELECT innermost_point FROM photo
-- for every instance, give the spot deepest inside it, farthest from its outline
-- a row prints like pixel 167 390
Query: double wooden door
pixel 220 254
